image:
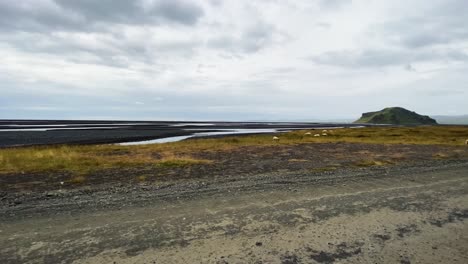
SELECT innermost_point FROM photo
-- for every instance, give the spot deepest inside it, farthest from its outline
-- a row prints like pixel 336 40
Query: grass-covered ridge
pixel 395 116
pixel 85 159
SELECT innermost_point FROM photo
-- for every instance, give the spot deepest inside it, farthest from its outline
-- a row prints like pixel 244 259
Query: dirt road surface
pixel 416 215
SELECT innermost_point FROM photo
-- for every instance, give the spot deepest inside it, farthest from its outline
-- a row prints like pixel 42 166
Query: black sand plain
pixel 101 132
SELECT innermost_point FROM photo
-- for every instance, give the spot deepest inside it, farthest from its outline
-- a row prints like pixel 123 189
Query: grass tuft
pixel 324 169
pixel 141 178
pixel 78 180
pixel 298 160
pixel 441 155
pixel 371 163
pixel 180 162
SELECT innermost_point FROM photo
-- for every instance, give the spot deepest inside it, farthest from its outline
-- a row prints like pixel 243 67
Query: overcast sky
pixel 231 60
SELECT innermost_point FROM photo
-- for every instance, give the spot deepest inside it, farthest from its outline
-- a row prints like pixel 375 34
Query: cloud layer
pixel 181 59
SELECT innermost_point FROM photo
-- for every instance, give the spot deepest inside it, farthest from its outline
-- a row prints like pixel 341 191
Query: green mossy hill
pixel 395 116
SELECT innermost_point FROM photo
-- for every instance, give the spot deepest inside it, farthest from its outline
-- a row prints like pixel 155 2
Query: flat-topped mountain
pixel 395 116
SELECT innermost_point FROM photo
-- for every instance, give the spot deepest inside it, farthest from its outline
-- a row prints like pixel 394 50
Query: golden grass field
pixel 82 159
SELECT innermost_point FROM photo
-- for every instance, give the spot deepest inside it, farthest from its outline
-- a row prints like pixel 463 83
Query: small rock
pixel 259 244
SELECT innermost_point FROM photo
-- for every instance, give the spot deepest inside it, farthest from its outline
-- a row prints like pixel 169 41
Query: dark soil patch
pixel 382 237
pixel 343 251
pixel 405 260
pixel 406 230
pixel 456 215
pixel 289 259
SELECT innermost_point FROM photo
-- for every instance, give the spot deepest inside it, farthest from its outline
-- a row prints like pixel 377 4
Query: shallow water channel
pixel 219 132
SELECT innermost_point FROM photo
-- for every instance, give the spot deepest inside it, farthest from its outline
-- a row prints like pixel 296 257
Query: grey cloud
pixel 358 58
pixel 423 33
pixel 382 58
pixel 442 24
pixel 86 15
pixel 25 15
pixel 409 68
pixel 452 82
pixel 135 12
pixel 109 52
pixel 249 41
pixel 184 12
pixel 215 2
pixel 333 3
pixel 272 73
pixel 425 36
pixel 323 25
pixel 105 48
pixel 55 26
pixel 88 31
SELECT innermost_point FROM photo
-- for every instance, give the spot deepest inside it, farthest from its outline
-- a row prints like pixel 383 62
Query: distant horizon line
pixel 186 120
pixel 325 120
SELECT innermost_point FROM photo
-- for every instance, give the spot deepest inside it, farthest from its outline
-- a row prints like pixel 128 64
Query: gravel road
pixel 412 214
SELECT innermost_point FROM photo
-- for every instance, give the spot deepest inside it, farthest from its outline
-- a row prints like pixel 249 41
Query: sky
pixel 231 60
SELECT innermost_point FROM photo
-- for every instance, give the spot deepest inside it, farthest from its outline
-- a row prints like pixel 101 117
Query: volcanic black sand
pixel 12 132
pixel 308 203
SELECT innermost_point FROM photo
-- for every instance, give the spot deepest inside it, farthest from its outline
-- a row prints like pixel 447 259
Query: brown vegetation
pixel 82 160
